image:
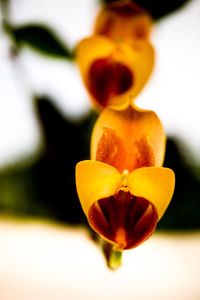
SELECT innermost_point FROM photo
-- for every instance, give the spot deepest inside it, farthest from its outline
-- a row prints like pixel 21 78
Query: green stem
pixel 112 255
pixel 115 259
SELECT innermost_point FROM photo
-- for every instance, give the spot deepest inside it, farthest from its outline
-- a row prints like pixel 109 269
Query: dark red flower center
pixel 124 219
pixel 107 78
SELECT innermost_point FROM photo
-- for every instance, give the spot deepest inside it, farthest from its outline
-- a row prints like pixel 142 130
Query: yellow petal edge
pixel 95 180
pixel 156 184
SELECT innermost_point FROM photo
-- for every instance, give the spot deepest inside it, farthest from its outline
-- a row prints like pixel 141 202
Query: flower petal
pixel 128 139
pixel 110 148
pixel 154 184
pixel 122 20
pixel 108 78
pixel 95 180
pixel 114 73
pixel 123 219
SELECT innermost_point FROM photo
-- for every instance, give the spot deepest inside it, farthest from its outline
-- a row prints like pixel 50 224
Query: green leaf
pixel 41 39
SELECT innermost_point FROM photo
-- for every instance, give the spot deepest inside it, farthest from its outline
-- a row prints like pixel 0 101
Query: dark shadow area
pixel 157 9
pixel 47 187
pixel 66 143
pixel 183 211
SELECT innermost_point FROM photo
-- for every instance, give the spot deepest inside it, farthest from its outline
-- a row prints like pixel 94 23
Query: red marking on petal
pixel 126 9
pixel 106 26
pixel 107 78
pixel 110 149
pixel 144 155
pixel 123 219
pixel 140 31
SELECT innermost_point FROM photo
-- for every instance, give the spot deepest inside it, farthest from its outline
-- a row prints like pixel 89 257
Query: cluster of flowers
pixel 123 189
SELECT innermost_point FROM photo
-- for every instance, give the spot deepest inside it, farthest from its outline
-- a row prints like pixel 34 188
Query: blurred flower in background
pixel 45 128
pixel 114 73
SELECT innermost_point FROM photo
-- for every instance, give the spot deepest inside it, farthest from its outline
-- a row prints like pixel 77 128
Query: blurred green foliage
pixel 183 211
pixel 46 186
pixel 40 38
pixel 18 194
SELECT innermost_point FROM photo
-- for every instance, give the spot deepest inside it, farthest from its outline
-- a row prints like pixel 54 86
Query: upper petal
pixel 122 20
pixel 95 180
pixel 154 184
pixel 128 139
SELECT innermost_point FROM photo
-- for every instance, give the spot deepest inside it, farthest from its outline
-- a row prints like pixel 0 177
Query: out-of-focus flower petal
pixel 114 73
pixel 154 184
pixel 95 180
pixel 128 139
pixel 123 20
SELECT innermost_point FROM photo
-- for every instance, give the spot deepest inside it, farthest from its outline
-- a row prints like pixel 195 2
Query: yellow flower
pixel 114 73
pixel 123 190
pixel 123 20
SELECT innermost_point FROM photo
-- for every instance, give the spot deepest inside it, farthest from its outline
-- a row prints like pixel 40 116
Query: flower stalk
pixel 115 259
pixel 123 188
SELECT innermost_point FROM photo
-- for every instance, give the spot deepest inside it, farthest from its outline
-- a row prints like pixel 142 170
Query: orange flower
pixel 123 20
pixel 114 73
pixel 123 190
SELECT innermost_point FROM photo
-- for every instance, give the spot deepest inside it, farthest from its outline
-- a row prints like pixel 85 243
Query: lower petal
pixel 123 219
